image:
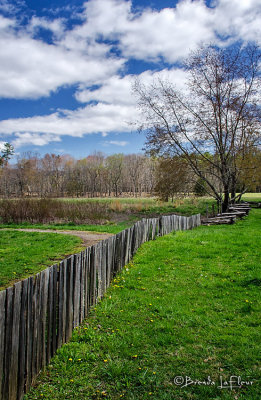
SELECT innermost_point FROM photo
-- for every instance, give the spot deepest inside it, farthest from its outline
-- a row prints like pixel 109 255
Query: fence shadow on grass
pixel 38 314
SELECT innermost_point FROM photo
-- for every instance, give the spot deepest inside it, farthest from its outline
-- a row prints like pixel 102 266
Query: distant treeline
pixel 117 175
pixel 63 176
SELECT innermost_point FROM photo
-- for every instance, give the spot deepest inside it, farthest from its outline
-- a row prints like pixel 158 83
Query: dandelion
pixel 151 320
pixel 71 380
pixel 154 373
pixel 105 361
pixel 135 356
pixel 247 301
pixel 79 359
pixel 70 359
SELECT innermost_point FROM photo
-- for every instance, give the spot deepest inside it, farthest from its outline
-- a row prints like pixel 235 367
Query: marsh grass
pixel 188 304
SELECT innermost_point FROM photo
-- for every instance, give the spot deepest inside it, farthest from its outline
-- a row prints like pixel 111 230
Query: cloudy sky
pixel 67 66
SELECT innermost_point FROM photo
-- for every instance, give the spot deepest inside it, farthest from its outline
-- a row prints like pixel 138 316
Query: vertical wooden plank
pixel 29 334
pixel 82 294
pixel 76 290
pixel 60 305
pixel 40 325
pixel 69 298
pixel 14 351
pixel 64 313
pixel 50 316
pixel 98 269
pixel 8 341
pixel 92 276
pixel 87 283
pixel 45 278
pixel 109 261
pixel 55 310
pixel 35 316
pixel 104 250
pixel 2 338
pixel 22 341
pixel 126 246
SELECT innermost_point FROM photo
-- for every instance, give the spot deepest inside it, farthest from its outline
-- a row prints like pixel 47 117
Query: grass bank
pixel 188 305
pixel 23 254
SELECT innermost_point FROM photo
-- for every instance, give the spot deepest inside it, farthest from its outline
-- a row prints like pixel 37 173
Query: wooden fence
pixel 38 314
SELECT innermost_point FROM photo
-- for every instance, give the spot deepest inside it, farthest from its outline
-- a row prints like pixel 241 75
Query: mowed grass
pixel 188 305
pixel 23 254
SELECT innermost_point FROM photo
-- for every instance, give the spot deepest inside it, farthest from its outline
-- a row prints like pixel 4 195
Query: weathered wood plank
pixel 2 338
pixel 98 268
pixel 76 290
pixel 8 340
pixel 60 305
pixel 55 309
pixel 87 283
pixel 22 341
pixel 29 334
pixel 44 298
pixel 64 312
pixel 14 350
pixel 82 279
pixel 69 298
pixel 103 266
pixel 49 316
pixel 36 323
pixel 40 325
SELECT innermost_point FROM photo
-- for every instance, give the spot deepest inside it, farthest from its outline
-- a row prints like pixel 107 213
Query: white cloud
pixel 94 52
pixel 115 111
pixel 239 19
pixel 121 143
pixel 27 138
pixel 30 68
pixel 40 130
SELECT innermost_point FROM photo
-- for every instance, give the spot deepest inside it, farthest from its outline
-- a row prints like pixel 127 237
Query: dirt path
pixel 88 238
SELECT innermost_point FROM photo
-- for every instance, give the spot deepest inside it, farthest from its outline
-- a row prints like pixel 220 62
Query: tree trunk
pixel 225 202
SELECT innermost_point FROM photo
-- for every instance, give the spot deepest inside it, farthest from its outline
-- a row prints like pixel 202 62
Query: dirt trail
pixel 88 238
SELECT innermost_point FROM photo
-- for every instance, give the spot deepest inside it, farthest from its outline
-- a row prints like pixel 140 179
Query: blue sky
pixel 67 67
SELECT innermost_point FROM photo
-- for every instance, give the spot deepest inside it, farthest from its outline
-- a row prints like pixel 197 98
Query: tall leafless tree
pixel 214 121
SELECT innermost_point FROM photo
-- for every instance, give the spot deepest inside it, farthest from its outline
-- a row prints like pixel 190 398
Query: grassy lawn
pixel 23 254
pixel 187 305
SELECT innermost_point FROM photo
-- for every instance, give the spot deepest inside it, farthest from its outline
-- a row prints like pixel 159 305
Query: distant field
pixel 23 254
pixel 252 197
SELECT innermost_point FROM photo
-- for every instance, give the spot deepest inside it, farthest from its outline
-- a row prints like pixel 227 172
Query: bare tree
pixel 214 122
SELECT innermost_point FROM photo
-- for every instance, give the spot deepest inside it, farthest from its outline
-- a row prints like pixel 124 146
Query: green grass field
pixel 188 305
pixel 23 254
